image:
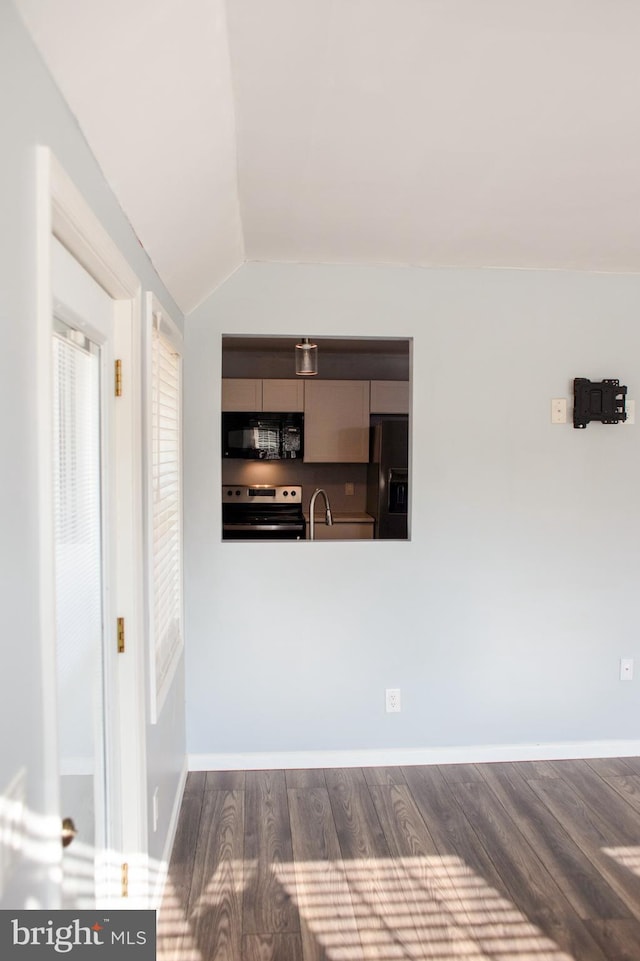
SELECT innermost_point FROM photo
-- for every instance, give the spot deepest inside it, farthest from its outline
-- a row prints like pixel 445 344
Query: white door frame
pixel 63 213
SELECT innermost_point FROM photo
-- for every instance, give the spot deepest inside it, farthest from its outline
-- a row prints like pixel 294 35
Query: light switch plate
pixel 559 410
pixel 626 668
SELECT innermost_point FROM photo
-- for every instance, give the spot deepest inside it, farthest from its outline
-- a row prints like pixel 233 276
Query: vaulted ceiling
pixel 424 132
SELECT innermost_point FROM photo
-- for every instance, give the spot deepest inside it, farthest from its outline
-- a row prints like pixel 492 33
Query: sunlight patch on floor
pixel 175 937
pixel 415 908
pixel 628 857
pixel 419 909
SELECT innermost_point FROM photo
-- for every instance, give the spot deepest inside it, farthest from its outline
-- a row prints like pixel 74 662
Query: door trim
pixel 61 211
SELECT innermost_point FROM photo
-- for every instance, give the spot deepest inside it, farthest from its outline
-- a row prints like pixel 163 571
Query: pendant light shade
pixel 306 358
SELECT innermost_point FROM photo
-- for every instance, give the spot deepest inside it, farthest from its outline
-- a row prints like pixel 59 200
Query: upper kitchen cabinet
pixel 241 393
pixel 250 394
pixel 286 396
pixel 336 421
pixel 389 397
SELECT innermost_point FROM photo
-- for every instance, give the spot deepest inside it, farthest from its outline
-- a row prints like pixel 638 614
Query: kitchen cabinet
pixel 241 393
pixel 251 394
pixel 336 421
pixel 286 396
pixel 389 396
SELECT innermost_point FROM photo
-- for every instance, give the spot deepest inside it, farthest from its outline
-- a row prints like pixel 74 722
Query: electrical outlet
pixel 559 410
pixel 349 489
pixel 630 408
pixel 392 700
pixel 626 668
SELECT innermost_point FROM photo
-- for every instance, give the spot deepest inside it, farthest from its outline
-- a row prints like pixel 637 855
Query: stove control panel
pixel 261 494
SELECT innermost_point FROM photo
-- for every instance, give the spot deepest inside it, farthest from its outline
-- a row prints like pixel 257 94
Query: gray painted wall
pixel 503 619
pixel 33 113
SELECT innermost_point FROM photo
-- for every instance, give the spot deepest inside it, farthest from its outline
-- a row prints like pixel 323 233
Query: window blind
pixel 78 541
pixel 166 495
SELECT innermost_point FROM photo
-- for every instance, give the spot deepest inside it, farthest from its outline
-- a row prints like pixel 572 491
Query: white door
pixel 82 353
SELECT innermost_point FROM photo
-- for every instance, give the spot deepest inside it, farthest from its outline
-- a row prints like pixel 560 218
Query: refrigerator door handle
pixel 397 489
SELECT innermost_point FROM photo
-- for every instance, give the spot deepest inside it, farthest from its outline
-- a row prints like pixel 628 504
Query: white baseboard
pixel 159 872
pixel 393 757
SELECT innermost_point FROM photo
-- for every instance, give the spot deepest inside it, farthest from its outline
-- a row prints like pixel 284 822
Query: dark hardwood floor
pixel 531 860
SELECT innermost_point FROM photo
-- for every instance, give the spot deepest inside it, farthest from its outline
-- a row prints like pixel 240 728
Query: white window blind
pixel 166 505
pixel 78 540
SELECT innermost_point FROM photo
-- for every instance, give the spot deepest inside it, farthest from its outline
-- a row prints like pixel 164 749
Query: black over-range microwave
pixel 263 435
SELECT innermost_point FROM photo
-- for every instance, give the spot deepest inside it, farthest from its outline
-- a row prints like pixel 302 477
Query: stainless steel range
pixel 262 512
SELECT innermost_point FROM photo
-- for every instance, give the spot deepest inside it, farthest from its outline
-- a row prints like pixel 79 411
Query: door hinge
pixel 121 635
pixel 118 378
pixel 125 880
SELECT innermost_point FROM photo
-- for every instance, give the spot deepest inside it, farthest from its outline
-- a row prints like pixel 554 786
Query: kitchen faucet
pixel 328 519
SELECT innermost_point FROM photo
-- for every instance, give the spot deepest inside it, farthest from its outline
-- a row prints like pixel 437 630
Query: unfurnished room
pixel 320 526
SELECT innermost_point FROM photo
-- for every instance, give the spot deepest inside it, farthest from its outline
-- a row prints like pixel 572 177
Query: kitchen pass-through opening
pixel 333 446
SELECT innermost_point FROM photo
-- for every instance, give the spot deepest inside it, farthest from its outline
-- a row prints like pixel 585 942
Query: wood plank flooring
pixel 531 861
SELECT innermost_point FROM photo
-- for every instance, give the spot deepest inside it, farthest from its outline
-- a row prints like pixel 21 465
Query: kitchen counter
pixel 347 526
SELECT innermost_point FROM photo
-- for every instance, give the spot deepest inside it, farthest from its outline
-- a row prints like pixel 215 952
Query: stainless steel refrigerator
pixel 388 477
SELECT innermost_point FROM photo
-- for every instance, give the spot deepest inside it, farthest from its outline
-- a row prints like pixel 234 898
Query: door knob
pixel 69 831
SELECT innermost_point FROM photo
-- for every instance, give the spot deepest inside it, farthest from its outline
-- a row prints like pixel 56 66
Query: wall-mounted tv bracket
pixel 602 400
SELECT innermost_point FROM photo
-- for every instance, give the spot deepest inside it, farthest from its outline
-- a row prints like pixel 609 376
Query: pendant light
pixel 306 358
